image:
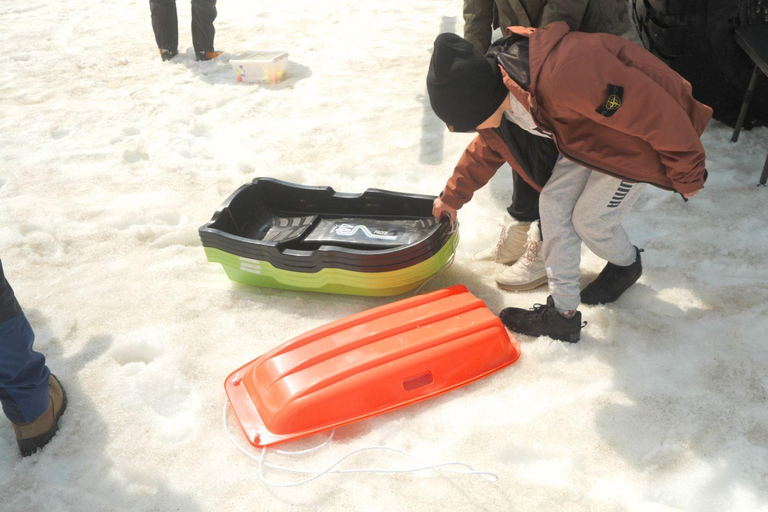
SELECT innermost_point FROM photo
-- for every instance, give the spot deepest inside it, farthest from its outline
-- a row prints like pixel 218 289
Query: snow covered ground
pixel 111 159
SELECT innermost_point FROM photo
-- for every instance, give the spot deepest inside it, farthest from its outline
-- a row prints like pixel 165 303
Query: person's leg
pixel 525 200
pixel 597 219
pixel 558 318
pixel 562 244
pixel 23 373
pixel 203 15
pixel 31 397
pixel 166 26
pixel 598 214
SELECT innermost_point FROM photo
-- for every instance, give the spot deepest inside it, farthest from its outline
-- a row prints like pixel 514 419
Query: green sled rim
pixel 333 280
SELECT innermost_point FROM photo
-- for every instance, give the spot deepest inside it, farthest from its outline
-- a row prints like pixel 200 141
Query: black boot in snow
pixel 543 320
pixel 168 54
pixel 612 282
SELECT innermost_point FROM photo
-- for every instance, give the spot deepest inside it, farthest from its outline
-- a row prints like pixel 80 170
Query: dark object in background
pixel 165 24
pixel 754 41
pixel 696 39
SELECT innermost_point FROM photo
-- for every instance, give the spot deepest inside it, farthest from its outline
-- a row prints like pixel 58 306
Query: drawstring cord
pixel 502 241
pixel 531 251
pixel 445 466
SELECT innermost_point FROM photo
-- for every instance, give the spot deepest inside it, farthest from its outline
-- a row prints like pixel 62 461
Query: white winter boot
pixel 529 271
pixel 510 245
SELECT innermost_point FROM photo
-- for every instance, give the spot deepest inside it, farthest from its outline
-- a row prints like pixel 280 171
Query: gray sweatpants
pixel 578 204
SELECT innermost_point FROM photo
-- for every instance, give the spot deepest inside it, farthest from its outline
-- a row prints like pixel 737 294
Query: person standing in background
pixel 482 16
pixel 166 27
pixel 519 240
pixel 32 398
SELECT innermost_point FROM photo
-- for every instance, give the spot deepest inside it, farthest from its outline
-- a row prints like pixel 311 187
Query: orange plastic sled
pixel 369 363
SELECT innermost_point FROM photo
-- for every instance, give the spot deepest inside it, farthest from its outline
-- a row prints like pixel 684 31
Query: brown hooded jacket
pixel 609 104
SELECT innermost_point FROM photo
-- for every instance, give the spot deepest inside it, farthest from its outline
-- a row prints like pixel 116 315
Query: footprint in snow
pixel 133 157
pixel 138 351
pixel 59 133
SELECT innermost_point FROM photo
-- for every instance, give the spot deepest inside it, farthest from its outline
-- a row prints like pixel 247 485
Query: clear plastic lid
pixel 262 56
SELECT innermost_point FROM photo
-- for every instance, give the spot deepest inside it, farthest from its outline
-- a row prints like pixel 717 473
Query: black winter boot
pixel 543 320
pixel 612 282
pixel 168 54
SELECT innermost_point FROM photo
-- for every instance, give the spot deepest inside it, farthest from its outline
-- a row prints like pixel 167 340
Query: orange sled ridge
pixel 369 363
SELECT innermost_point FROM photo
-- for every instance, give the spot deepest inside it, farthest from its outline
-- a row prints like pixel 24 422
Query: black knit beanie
pixel 464 86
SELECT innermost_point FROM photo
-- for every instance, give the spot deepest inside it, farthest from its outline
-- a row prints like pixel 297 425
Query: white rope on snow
pixel 491 477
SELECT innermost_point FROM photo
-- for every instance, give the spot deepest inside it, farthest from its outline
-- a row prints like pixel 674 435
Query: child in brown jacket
pixel 587 119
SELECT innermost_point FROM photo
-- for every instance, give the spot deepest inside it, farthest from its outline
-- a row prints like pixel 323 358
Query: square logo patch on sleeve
pixel 612 102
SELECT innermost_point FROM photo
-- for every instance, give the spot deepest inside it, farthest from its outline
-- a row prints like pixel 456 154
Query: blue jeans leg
pixel 23 373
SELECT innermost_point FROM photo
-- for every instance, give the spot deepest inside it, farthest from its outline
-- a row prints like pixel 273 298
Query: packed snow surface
pixel 111 159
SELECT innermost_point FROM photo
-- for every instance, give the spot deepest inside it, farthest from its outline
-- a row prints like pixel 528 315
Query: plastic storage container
pixel 260 67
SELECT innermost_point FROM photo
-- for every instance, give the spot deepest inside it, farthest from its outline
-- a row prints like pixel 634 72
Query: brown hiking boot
pixel 207 55
pixel 34 435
